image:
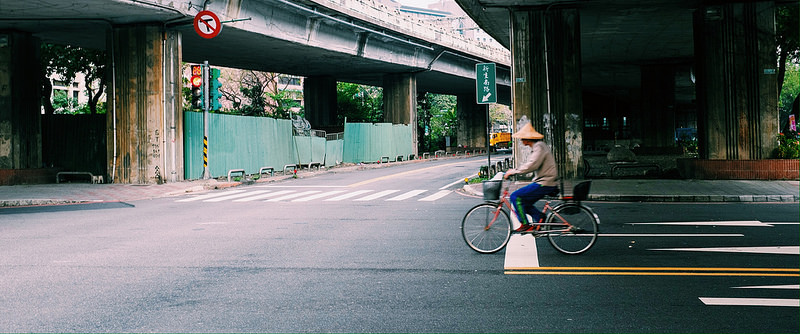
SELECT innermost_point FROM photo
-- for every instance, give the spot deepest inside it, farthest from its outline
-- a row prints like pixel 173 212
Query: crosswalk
pixel 322 195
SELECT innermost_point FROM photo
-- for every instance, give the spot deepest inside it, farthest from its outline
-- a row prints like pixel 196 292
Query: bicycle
pixel 570 226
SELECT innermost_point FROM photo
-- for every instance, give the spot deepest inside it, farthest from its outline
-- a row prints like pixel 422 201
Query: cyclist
pixel 542 162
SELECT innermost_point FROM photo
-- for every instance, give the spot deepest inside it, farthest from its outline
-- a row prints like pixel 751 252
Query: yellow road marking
pixel 655 268
pixel 656 271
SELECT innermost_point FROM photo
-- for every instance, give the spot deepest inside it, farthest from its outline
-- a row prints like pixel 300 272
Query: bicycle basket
pixel 581 191
pixel 491 189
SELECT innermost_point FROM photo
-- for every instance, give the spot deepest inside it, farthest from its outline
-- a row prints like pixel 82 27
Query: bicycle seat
pixel 554 193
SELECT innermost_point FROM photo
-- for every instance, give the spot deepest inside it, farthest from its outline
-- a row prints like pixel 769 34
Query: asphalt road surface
pixel 380 250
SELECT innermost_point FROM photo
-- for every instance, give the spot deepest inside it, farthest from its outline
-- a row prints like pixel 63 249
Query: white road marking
pixel 299 186
pixel 321 195
pixel 407 195
pixel 751 301
pixel 290 196
pixel 207 196
pixel 785 250
pixel 710 223
pixel 521 252
pixel 786 287
pixel 436 196
pixel 263 196
pixel 225 198
pixel 456 182
pixel 678 235
pixel 377 195
pixel 348 195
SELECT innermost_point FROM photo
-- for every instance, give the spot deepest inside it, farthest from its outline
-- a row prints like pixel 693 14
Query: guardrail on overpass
pixel 379 14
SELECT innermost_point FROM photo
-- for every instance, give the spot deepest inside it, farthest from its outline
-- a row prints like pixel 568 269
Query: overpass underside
pixel 736 88
pixel 144 125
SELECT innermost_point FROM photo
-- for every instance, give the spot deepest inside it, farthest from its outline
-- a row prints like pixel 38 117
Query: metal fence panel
pixel 369 142
pixel 237 142
pixel 334 150
pixel 249 143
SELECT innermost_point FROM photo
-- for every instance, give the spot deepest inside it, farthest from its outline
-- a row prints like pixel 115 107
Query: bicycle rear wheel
pixel 486 228
pixel 577 236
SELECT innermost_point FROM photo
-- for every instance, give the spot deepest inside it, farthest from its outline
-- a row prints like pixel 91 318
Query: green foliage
pixel 68 61
pixel 436 117
pixel 788 145
pixel 359 103
pixel 791 86
pixel 258 100
pixel 688 143
pixel 283 104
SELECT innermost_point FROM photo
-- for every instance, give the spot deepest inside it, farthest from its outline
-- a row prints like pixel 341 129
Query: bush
pixel 788 146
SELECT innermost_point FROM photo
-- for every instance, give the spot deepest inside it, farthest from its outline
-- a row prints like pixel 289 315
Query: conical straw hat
pixel 528 132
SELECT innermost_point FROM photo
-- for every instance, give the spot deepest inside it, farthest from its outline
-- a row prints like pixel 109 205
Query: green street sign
pixel 486 83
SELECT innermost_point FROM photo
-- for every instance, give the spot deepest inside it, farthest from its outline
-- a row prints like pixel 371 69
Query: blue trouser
pixel 524 199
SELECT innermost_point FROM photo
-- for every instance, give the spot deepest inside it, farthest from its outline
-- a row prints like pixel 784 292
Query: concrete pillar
pixel 737 94
pixel 559 115
pixel 471 121
pixel 319 94
pixel 400 102
pixel 657 114
pixel 20 101
pixel 145 127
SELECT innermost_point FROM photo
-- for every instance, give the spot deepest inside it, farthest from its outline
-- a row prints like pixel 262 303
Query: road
pixel 380 250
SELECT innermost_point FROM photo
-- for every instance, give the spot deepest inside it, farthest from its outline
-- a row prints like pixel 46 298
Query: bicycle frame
pixel 547 211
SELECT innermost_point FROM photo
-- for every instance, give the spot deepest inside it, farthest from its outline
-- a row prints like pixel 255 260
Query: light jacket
pixel 543 163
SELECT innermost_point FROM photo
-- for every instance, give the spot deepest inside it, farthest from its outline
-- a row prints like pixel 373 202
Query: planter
pixel 769 169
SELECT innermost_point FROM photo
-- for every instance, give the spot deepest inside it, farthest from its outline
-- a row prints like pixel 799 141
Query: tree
pixel 436 115
pixel 787 32
pixel 68 61
pixel 359 103
pixel 254 93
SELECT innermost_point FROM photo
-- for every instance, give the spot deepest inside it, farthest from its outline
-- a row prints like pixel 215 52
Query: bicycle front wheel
pixel 486 228
pixel 575 228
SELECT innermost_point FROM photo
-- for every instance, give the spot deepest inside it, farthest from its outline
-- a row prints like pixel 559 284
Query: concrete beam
pixel 146 105
pixel 471 121
pixel 319 95
pixel 546 65
pixel 400 102
pixel 737 93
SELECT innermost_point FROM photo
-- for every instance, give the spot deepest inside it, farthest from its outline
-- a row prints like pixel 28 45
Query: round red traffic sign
pixel 207 24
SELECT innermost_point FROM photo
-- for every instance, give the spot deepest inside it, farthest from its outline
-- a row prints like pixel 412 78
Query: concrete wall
pixel 547 85
pixel 736 80
pixel 20 95
pixel 146 104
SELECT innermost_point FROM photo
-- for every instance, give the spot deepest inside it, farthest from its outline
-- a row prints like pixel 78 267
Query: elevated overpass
pixel 605 72
pixel 324 40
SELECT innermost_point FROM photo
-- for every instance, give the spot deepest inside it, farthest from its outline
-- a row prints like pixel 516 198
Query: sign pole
pixel 488 145
pixel 486 93
pixel 206 172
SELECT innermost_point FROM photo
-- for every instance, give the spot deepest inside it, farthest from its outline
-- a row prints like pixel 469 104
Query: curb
pixel 695 198
pixel 473 190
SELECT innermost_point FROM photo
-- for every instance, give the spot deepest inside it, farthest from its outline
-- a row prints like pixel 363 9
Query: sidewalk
pixel 660 190
pixel 617 190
